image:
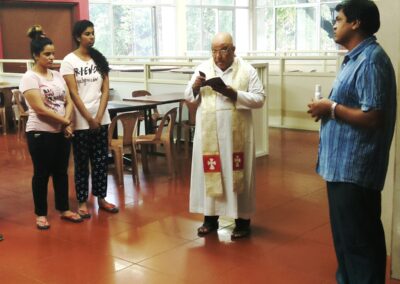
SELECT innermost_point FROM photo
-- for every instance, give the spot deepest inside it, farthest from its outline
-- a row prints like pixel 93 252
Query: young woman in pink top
pixel 48 128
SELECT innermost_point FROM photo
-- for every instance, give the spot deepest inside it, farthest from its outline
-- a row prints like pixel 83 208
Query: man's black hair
pixel 364 11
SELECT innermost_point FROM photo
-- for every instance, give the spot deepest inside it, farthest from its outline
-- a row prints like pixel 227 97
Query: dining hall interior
pixel 153 48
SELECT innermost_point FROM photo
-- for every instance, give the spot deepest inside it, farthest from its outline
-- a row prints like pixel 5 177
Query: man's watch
pixel 333 107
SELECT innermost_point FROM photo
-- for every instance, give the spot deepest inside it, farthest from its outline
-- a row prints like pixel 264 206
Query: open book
pixel 215 82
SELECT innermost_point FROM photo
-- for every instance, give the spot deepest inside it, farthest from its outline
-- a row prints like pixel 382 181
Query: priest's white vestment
pixel 231 203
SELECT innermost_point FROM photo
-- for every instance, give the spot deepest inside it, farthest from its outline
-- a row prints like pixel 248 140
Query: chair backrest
pixel 2 104
pixel 129 124
pixel 143 93
pixel 140 93
pixel 20 101
pixel 167 121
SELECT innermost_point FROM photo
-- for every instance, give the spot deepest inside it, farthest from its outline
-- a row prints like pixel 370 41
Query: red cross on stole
pixel 211 163
pixel 238 161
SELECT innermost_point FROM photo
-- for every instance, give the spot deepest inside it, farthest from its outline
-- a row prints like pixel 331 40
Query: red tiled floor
pixel 153 239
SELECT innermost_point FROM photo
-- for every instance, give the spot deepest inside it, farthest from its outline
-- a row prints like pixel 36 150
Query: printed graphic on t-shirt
pixel 51 100
pixel 86 74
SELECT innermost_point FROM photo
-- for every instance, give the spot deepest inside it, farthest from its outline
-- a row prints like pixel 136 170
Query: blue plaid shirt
pixel 353 154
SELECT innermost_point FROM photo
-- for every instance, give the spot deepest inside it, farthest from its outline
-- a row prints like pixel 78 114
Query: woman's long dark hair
pixel 39 40
pixel 97 56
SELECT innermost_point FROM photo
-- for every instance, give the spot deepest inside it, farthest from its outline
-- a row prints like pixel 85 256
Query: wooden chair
pixel 22 111
pixel 164 136
pixel 186 126
pixel 125 144
pixel 3 117
pixel 155 116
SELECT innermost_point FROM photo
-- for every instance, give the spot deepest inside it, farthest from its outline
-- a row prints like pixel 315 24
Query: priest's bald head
pixel 223 50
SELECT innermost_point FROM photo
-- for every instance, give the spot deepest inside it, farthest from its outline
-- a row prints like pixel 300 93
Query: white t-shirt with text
pixel 89 82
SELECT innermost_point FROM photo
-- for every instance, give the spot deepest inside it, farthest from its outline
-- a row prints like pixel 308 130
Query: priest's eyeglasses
pixel 222 51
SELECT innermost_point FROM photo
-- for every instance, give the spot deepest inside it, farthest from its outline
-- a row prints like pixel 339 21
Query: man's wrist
pixel 333 109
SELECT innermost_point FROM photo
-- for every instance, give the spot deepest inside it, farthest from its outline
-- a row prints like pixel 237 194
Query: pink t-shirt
pixel 53 95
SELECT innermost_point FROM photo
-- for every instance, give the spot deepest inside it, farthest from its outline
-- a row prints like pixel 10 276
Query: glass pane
pixel 193 29
pixel 123 30
pixel 285 28
pixel 243 3
pixel 263 3
pixel 225 18
pixel 99 15
pixel 219 2
pixel 265 29
pixel 133 31
pixel 284 2
pixel 149 2
pixel 306 36
pixel 193 2
pixel 209 27
pixel 306 1
pixel 166 24
pixel 327 17
pixel 165 2
pixel 242 30
pixel 143 36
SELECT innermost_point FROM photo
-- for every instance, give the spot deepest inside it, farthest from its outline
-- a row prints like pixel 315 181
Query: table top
pixel 116 106
pixel 6 85
pixel 160 98
pixel 137 68
pixel 182 70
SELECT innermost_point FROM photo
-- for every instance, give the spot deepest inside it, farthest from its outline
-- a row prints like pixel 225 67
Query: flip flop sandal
pixel 109 208
pixel 42 224
pixel 84 214
pixel 72 218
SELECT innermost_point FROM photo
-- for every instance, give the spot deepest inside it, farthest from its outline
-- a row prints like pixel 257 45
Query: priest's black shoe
pixel 239 233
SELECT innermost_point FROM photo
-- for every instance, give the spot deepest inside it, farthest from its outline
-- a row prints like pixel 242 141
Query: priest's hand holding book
pixel 216 84
pixel 198 83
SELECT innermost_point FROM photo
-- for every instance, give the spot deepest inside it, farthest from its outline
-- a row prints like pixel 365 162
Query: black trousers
pixel 50 156
pixel 358 236
pixel 91 146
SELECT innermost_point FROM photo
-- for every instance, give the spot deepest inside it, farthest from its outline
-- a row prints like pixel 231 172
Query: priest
pixel 223 176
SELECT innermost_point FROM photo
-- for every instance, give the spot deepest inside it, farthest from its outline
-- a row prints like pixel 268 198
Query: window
pixel 134 27
pixel 205 18
pixel 294 24
pixel 149 27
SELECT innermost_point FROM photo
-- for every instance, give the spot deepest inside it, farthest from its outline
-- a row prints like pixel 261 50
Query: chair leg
pixel 135 172
pixel 187 137
pixel 3 120
pixel 19 126
pixel 178 135
pixel 143 152
pixel 168 154
pixel 118 161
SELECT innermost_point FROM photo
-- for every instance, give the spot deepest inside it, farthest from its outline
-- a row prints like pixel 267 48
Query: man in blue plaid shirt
pixel 357 125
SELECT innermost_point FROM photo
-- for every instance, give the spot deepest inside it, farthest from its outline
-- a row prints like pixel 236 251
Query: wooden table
pixel 189 71
pixel 139 68
pixel 161 99
pixel 115 107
